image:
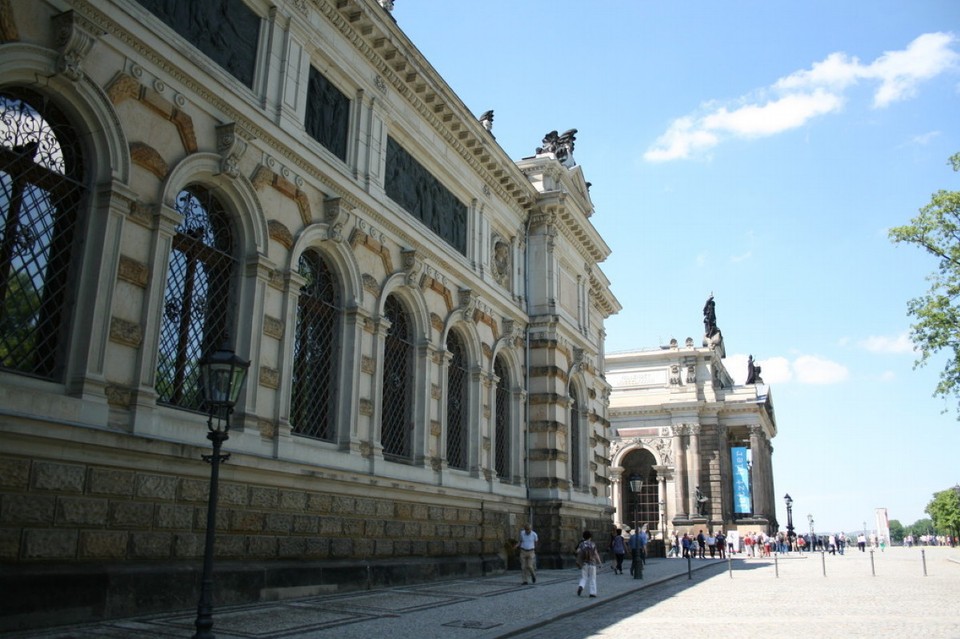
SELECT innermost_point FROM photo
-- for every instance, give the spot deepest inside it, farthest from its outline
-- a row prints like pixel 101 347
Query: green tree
pixel 937 313
pixel 920 527
pixel 945 511
pixel 896 531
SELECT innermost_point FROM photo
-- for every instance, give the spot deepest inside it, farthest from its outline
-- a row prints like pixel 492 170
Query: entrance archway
pixel 637 510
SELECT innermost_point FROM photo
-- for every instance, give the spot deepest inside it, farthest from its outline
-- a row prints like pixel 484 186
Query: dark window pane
pixel 198 296
pixel 317 351
pixel 396 423
pixel 226 31
pixel 328 114
pixel 575 452
pixel 41 193
pixel 423 196
pixel 456 403
pixel 502 420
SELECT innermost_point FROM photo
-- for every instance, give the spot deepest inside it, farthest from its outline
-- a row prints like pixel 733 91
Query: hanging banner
pixel 741 480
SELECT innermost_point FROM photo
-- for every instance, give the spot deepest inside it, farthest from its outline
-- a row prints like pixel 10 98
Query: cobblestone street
pixel 848 602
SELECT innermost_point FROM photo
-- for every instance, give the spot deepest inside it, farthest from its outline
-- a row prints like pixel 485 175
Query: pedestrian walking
pixel 588 559
pixel 528 554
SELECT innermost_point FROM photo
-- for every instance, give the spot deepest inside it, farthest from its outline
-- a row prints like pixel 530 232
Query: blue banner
pixel 741 480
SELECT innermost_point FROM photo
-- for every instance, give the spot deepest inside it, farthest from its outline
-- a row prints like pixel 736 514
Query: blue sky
pixel 758 151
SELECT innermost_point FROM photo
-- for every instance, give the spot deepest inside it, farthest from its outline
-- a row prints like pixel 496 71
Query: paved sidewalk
pixel 477 608
pixel 497 607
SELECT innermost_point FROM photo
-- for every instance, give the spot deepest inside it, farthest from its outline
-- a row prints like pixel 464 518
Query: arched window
pixel 317 351
pixel 502 419
pixel 576 455
pixel 197 298
pixel 41 199
pixel 396 420
pixel 457 397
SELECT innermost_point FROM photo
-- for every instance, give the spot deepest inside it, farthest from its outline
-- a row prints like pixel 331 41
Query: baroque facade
pixel 700 443
pixel 424 316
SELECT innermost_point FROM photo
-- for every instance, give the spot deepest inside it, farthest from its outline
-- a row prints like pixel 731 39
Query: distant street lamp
pixel 790 534
pixel 221 376
pixel 636 566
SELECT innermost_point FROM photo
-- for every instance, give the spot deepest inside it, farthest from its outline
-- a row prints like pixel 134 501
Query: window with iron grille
pixel 502 420
pixel 456 403
pixel 575 454
pixel 317 351
pixel 396 422
pixel 41 197
pixel 197 298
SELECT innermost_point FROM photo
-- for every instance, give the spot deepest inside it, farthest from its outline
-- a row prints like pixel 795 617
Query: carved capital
pixel 336 214
pixel 412 265
pixel 232 143
pixel 75 36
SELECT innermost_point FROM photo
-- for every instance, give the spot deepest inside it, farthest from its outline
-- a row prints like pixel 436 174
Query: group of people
pixel 697 546
pixel 587 556
pixel 930 540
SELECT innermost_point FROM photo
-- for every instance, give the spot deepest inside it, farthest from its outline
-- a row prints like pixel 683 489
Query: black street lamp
pixel 221 376
pixel 636 566
pixel 790 534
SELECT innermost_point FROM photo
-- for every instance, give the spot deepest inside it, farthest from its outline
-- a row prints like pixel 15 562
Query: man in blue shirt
pixel 638 548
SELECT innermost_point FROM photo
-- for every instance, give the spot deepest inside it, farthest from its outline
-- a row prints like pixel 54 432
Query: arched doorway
pixel 641 508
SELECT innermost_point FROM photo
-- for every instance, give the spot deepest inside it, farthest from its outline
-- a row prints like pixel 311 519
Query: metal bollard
pixel 873 570
pixel 776 567
pixel 689 568
pixel 823 560
pixel 730 565
pixel 923 558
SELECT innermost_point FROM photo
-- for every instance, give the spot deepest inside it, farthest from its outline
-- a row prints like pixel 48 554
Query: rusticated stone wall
pixel 51 510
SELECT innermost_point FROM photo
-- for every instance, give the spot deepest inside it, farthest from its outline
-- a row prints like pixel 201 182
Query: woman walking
pixel 588 559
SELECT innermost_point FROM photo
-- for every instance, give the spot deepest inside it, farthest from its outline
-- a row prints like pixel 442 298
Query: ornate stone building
pixel 424 316
pixel 700 443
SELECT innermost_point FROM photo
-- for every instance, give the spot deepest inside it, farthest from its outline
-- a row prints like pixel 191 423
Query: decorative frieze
pixel 146 157
pixel 368 365
pixel 365 406
pixel 125 332
pixel 272 327
pixel 131 271
pixel 269 377
pixel 118 396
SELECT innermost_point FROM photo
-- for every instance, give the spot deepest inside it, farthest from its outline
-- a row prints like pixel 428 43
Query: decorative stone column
pixel 680 488
pixel 758 474
pixel 693 454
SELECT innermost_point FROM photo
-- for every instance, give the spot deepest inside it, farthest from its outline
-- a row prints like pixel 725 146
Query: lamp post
pixel 813 539
pixel 221 376
pixel 636 565
pixel 790 535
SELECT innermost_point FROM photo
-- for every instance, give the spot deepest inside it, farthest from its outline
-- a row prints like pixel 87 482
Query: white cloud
pixel 806 94
pixel 775 370
pixel 924 138
pixel 742 257
pixel 774 116
pixel 887 376
pixel 804 369
pixel 882 344
pixel 811 369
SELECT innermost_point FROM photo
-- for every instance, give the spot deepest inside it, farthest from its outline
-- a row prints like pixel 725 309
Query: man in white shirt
pixel 528 554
